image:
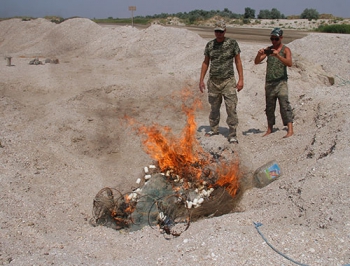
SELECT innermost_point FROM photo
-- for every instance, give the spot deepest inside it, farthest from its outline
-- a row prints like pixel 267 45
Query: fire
pixel 229 177
pixel 129 207
pixel 193 183
pixel 184 156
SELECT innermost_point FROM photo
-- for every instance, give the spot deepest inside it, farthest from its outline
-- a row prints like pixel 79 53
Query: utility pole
pixel 132 9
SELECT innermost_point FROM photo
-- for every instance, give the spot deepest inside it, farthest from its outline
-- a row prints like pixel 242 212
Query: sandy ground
pixel 64 137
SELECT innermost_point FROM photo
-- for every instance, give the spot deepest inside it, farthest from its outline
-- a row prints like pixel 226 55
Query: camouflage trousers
pixel 218 90
pixel 273 91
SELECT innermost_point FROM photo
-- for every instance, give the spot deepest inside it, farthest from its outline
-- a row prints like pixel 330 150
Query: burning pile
pixel 184 184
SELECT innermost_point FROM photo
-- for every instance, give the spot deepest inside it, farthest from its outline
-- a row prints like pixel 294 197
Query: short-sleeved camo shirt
pixel 221 56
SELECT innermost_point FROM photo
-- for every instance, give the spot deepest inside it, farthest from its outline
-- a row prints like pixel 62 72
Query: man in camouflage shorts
pixel 279 57
pixel 220 53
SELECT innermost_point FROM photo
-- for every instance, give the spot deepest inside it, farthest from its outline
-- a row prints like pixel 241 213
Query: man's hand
pixel 260 56
pixel 239 85
pixel 201 86
pixel 261 51
pixel 275 53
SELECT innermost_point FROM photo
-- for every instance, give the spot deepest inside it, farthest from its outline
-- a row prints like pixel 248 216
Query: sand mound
pixel 64 137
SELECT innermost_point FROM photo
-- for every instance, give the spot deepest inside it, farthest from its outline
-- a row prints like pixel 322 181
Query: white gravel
pixel 64 137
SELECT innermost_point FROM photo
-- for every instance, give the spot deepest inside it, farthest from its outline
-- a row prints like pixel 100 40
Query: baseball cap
pixel 277 32
pixel 220 25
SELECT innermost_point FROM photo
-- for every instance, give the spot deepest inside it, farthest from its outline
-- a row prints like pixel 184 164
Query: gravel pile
pixel 64 136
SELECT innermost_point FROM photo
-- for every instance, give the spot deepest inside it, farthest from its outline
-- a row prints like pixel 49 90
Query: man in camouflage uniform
pixel 279 57
pixel 220 54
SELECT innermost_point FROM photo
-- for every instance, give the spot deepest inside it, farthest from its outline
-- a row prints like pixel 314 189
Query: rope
pixel 257 225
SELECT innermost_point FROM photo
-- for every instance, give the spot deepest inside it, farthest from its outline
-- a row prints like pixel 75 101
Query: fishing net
pixel 165 202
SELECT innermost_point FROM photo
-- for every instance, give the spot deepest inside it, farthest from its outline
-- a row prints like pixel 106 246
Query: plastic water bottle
pixel 266 174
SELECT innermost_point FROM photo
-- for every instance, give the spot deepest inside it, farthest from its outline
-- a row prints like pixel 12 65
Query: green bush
pixel 340 28
pixel 246 21
pixel 310 14
pixel 57 20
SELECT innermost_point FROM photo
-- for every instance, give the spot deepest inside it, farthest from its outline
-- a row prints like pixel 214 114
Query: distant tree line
pixel 199 14
pixel 196 16
pixel 274 13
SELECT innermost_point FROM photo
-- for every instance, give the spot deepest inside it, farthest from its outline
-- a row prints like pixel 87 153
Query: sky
pixel 120 8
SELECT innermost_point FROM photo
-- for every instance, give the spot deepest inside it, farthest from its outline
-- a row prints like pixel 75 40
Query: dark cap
pixel 277 32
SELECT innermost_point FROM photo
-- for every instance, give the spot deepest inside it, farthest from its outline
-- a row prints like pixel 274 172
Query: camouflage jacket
pixel 221 56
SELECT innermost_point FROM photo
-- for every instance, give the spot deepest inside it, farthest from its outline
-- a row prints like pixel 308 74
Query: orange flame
pixel 229 177
pixel 129 207
pixel 184 155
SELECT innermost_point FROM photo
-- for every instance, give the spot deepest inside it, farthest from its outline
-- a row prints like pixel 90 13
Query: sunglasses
pixel 219 31
pixel 274 39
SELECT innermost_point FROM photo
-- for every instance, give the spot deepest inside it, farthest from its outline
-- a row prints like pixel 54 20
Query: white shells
pixel 194 204
pixel 189 204
pixel 206 193
pixel 133 196
pixel 161 216
pixel 177 179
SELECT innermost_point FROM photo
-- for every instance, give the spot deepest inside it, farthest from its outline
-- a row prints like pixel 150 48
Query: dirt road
pixel 240 34
pixel 249 34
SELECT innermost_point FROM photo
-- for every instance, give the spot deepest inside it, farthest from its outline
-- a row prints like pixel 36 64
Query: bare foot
pixel 267 133
pixel 269 130
pixel 288 135
pixel 290 131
